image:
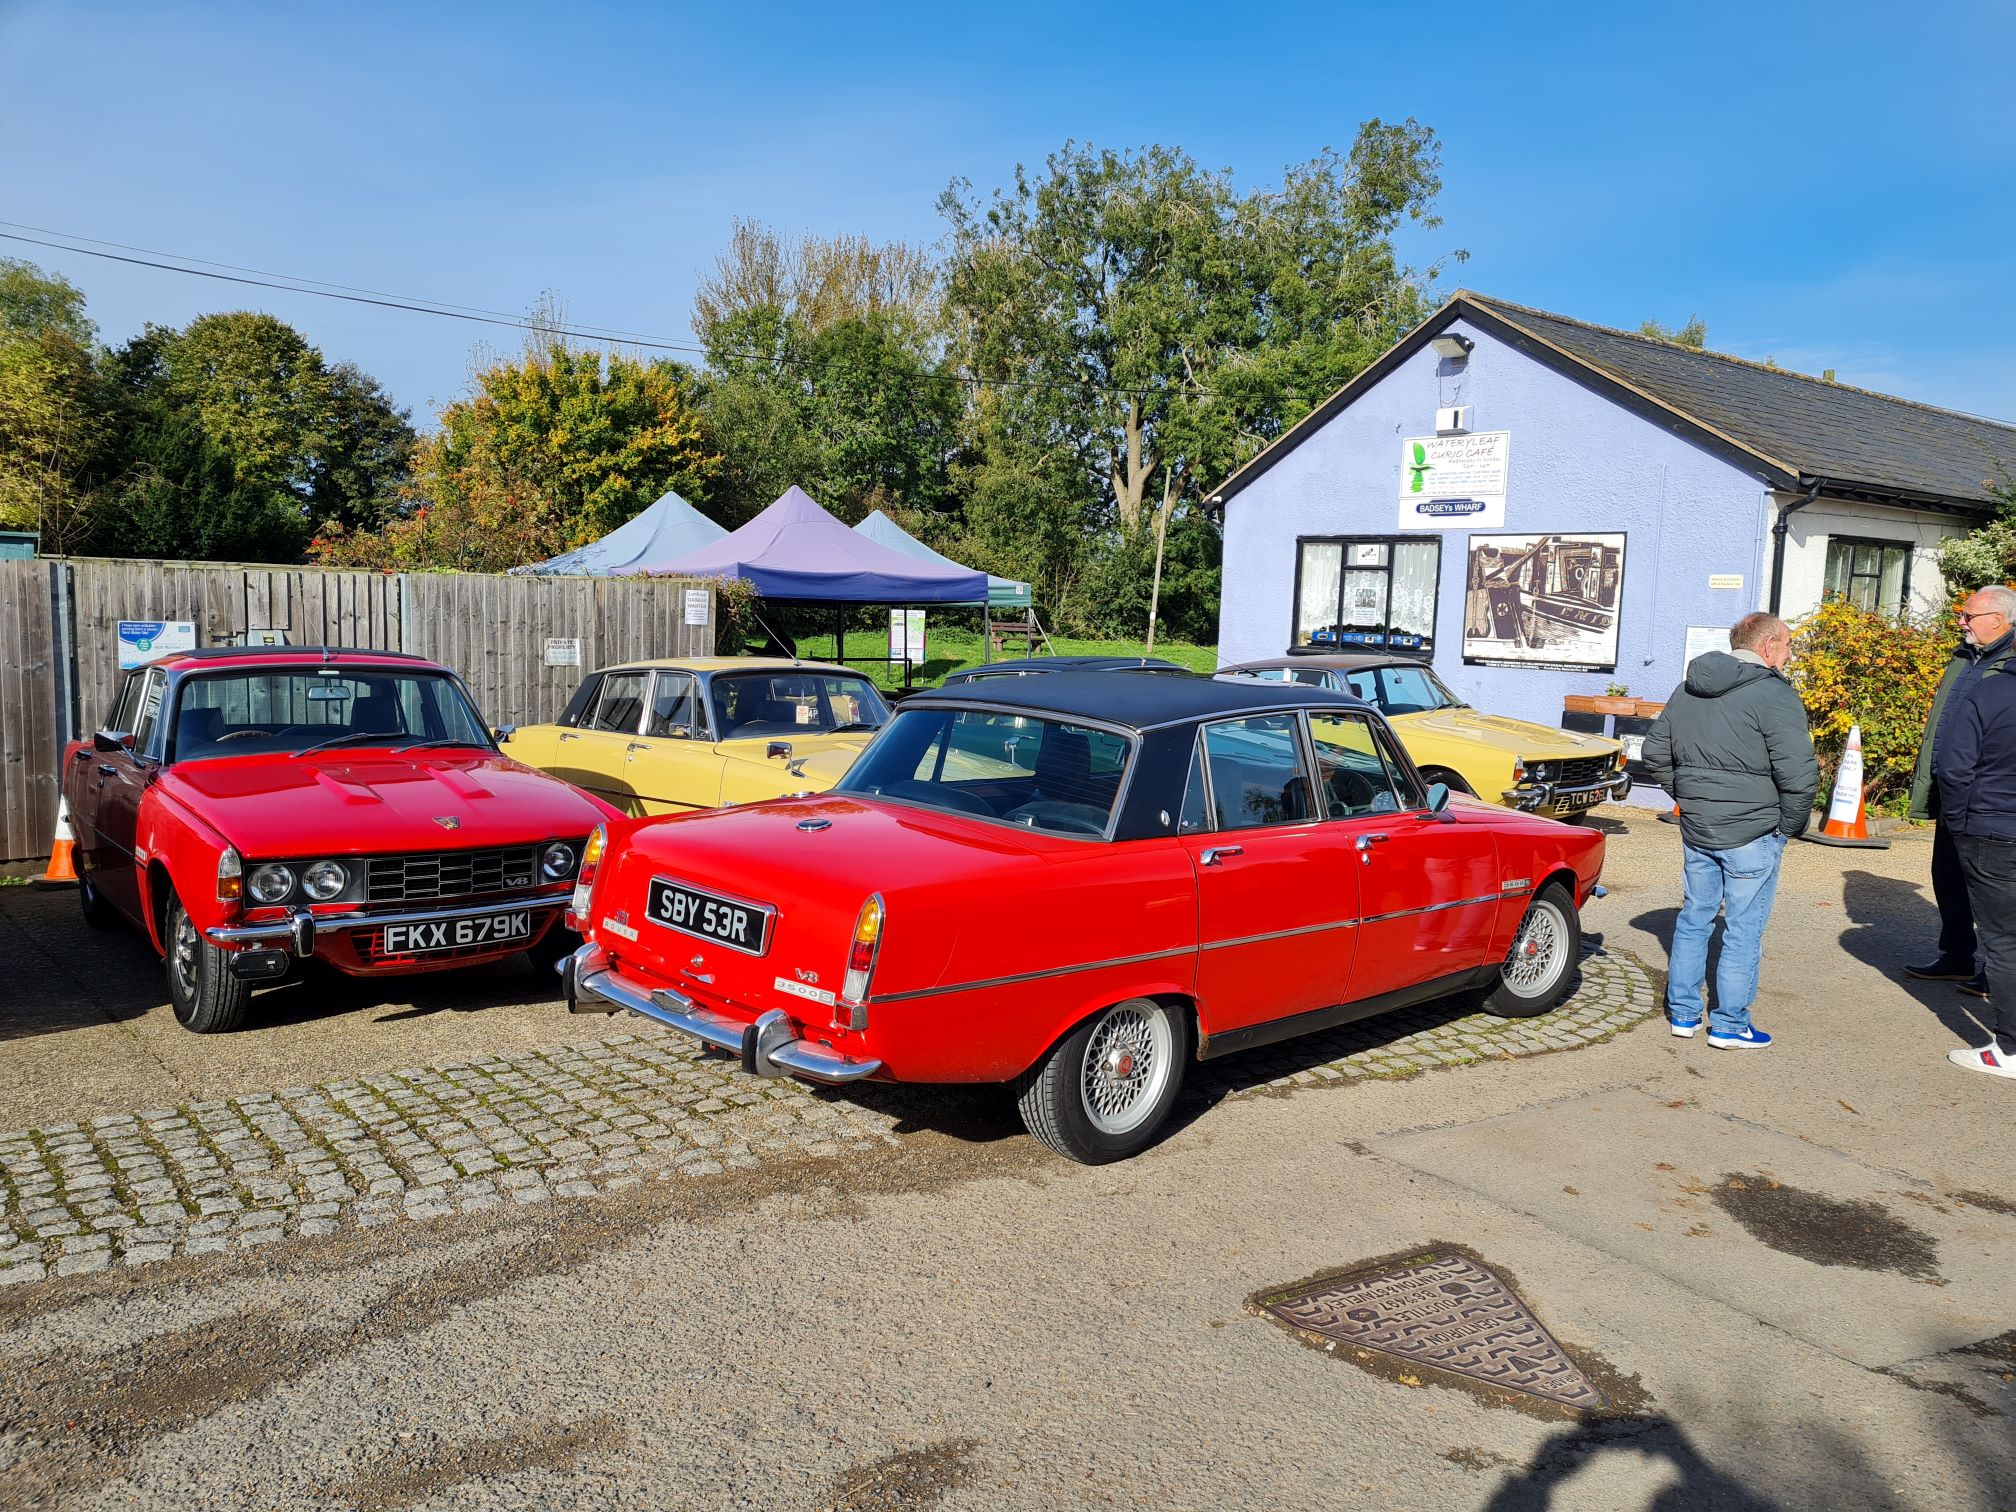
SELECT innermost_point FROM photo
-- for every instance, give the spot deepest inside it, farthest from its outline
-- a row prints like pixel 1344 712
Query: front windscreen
pixel 752 705
pixel 1403 689
pixel 1041 774
pixel 300 709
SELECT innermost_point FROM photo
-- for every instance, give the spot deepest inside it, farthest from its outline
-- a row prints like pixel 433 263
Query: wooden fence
pixel 59 662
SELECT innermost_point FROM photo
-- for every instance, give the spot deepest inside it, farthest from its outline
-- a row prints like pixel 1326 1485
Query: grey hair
pixel 1751 631
pixel 2001 599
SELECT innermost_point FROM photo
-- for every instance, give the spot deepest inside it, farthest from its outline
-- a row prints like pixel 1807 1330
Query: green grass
pixel 950 649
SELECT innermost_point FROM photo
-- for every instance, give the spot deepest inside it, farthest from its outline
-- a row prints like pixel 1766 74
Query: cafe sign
pixel 1454 482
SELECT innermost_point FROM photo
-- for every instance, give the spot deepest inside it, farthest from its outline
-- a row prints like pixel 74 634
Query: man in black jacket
pixel 1732 749
pixel 1985 642
pixel 1974 765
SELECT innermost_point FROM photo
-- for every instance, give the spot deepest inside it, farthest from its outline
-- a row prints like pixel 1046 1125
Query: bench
pixel 1026 632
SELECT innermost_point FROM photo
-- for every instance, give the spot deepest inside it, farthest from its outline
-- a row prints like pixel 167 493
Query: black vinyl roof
pixel 1789 429
pixel 1027 665
pixel 1139 701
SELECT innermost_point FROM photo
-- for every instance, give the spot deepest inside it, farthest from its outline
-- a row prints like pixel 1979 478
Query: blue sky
pixel 1832 185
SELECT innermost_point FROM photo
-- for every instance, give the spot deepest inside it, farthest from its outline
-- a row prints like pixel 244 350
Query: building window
pixel 1366 591
pixel 1874 575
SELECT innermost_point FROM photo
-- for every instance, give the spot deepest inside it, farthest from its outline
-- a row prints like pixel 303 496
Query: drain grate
pixel 1445 1311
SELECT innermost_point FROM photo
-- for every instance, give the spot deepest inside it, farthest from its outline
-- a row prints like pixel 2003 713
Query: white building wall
pixel 1812 527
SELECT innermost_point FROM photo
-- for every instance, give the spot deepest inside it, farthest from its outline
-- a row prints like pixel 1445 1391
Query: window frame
pixel 1200 764
pixel 1345 542
pixel 643 676
pixel 696 693
pixel 1910 550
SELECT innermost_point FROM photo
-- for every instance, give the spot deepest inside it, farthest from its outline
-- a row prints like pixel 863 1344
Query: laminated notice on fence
pixel 563 651
pixel 140 641
pixel 696 606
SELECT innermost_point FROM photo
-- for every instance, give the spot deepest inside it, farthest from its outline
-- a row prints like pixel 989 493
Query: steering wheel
pixel 937 795
pixel 1350 792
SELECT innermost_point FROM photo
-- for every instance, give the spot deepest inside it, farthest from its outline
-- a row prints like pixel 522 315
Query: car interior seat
pixel 196 731
pixel 1064 767
pixel 375 712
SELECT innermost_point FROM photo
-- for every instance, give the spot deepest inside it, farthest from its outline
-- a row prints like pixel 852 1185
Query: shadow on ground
pixel 1891 922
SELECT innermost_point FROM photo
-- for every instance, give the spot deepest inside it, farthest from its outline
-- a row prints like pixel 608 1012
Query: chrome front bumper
pixel 1531 797
pixel 299 929
pixel 767 1047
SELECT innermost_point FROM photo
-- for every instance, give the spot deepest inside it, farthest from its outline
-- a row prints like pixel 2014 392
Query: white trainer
pixel 1990 1059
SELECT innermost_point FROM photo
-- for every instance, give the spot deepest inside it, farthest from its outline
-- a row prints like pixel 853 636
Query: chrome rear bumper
pixel 767 1047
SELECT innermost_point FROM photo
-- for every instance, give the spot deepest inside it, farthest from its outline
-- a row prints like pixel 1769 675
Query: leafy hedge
pixel 1853 666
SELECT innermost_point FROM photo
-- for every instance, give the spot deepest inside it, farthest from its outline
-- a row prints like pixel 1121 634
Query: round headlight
pixel 271 884
pixel 324 880
pixel 558 860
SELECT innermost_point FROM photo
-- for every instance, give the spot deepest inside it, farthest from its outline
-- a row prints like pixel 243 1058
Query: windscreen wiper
pixel 354 735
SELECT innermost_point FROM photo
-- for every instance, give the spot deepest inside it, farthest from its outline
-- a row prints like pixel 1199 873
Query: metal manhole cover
pixel 1445 1311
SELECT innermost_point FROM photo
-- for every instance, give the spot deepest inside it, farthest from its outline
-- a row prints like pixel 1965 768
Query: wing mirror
pixel 112 742
pixel 1438 797
pixel 778 750
pixel 503 733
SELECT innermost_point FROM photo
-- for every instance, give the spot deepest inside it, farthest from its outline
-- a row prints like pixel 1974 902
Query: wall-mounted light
pixel 1453 347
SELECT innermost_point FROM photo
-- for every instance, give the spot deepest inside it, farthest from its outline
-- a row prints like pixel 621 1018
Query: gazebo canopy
pixel 796 550
pixel 1002 593
pixel 669 528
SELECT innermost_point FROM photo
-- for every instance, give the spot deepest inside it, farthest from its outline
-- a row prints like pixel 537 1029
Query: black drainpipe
pixel 1779 532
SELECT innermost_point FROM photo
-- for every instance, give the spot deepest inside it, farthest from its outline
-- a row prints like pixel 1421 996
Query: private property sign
pixel 1454 482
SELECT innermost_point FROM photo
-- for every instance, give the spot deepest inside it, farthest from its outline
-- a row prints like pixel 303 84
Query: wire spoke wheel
pixel 1539 953
pixel 1126 1065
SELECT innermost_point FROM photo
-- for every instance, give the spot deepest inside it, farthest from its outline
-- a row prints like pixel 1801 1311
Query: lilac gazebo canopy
pixel 796 550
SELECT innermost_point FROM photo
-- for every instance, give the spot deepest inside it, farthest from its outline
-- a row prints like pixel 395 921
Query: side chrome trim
pixel 1029 976
pixel 1281 934
pixel 1404 913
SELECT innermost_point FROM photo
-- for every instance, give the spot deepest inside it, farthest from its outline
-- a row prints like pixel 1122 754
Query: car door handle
pixel 1365 844
pixel 638 745
pixel 107 771
pixel 1211 855
pixel 568 735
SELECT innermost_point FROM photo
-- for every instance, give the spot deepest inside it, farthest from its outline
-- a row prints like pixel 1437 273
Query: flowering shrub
pixel 1852 666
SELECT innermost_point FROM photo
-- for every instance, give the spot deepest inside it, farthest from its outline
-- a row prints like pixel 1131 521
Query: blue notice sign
pixel 140 641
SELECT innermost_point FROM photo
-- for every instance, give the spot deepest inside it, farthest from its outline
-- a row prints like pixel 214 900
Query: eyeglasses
pixel 1964 617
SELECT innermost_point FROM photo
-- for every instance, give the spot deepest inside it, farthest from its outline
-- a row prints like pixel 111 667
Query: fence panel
pixel 31 685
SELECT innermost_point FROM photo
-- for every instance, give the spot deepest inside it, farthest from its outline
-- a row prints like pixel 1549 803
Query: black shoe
pixel 1976 985
pixel 1942 970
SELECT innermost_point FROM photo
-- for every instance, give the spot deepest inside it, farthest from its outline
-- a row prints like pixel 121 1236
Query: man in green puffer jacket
pixel 1732 749
pixel 1977 653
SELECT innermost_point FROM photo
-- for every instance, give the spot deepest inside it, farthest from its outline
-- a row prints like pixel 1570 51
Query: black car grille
pixel 454 874
pixel 1580 772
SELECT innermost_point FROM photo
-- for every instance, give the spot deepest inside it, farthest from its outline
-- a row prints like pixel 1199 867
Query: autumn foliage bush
pixel 1856 667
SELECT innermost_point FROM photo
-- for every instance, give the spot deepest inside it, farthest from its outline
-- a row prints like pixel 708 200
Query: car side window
pixel 1194 815
pixel 580 710
pixel 147 711
pixel 675 707
pixel 1412 795
pixel 621 706
pixel 1353 776
pixel 1254 767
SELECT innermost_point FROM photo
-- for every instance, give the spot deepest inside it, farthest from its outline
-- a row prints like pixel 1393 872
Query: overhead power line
pixel 350 294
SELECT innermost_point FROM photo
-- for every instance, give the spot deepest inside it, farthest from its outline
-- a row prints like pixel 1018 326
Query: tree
pixel 549 450
pixel 1693 335
pixel 825 371
pixel 52 408
pixel 1136 310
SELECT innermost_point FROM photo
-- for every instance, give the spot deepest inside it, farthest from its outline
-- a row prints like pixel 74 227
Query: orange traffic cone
pixel 61 870
pixel 1847 822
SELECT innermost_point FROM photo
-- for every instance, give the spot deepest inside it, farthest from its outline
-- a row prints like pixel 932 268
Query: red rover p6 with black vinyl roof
pixel 248 808
pixel 1077 884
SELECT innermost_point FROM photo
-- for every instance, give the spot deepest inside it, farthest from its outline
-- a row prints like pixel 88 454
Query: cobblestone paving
pixel 244 1171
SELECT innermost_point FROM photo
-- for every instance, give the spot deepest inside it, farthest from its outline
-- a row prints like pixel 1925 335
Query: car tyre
pixel 1540 966
pixel 207 998
pixel 98 913
pixel 1105 1089
pixel 550 950
pixel 1449 779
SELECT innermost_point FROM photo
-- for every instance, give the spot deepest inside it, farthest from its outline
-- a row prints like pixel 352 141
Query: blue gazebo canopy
pixel 669 528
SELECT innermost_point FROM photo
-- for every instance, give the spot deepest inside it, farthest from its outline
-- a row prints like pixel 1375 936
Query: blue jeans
pixel 1742 882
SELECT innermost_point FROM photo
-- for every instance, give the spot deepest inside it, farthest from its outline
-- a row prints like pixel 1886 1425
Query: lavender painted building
pixel 1543 507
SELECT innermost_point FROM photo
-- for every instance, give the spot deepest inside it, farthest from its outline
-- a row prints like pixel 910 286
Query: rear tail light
pixel 861 953
pixel 584 879
pixel 230 876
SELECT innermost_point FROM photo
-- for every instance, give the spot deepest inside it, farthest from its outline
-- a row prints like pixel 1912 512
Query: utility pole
pixel 1155 592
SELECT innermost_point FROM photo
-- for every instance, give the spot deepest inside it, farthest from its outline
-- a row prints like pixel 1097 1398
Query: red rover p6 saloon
pixel 1078 884
pixel 250 808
